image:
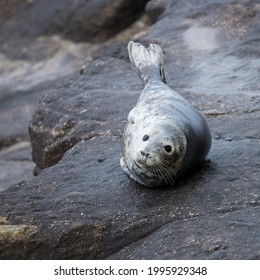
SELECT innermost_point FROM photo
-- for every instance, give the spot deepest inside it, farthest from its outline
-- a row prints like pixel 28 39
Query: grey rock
pixel 16 109
pixel 91 20
pixel 207 237
pixel 46 60
pixel 210 219
pixel 34 57
pixel 12 172
pixel 47 40
pixel 86 109
pixel 15 164
pixel 156 8
pixel 107 212
pixel 82 206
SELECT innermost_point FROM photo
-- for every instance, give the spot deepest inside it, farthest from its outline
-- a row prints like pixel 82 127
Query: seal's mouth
pixel 159 172
pixel 147 161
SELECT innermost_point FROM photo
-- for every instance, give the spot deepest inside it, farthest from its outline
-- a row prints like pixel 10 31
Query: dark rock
pixel 82 206
pixel 208 237
pixel 102 203
pixel 32 60
pixel 91 20
pixel 21 85
pixel 116 50
pixel 155 9
pixel 86 109
pixel 46 60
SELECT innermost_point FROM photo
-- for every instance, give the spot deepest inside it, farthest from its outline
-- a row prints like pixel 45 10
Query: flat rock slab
pixel 82 206
pixel 99 211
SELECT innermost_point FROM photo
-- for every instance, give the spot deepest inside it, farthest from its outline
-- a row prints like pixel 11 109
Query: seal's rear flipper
pixel 147 61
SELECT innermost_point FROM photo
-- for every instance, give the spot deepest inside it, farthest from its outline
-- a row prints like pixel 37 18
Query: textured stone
pixel 207 237
pixel 83 205
pixel 81 20
pixel 14 232
pixel 86 109
pixel 101 202
pixel 34 57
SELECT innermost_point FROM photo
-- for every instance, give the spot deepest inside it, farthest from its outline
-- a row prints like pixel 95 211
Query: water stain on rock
pixel 202 38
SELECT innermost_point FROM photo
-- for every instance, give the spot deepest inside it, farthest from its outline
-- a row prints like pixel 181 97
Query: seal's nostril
pixel 145 154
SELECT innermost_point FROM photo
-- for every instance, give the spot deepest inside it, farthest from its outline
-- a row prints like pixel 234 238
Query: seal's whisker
pixel 170 170
pixel 157 173
pixel 166 167
pixel 169 180
pixel 161 174
pixel 167 174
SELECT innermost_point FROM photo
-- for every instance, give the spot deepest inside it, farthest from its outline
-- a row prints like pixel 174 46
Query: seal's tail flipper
pixel 147 61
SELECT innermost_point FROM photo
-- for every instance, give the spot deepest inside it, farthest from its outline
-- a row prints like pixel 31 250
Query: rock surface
pixel 81 20
pixel 82 206
pixel 35 55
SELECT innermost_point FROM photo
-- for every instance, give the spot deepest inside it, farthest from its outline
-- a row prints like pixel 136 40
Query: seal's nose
pixel 145 154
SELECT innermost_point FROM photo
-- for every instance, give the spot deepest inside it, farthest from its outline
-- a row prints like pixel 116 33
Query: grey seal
pixel 165 136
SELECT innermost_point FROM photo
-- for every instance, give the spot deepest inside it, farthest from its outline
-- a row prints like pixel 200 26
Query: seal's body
pixel 165 136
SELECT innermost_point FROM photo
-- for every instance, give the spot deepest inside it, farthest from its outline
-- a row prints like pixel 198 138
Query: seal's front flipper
pixel 147 61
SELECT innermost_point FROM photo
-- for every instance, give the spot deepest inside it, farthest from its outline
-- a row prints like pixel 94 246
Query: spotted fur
pixel 165 135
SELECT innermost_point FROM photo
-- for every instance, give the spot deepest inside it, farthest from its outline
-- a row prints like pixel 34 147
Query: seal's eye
pixel 145 138
pixel 168 148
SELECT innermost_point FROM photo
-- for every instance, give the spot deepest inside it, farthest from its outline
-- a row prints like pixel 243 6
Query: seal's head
pixel 155 153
